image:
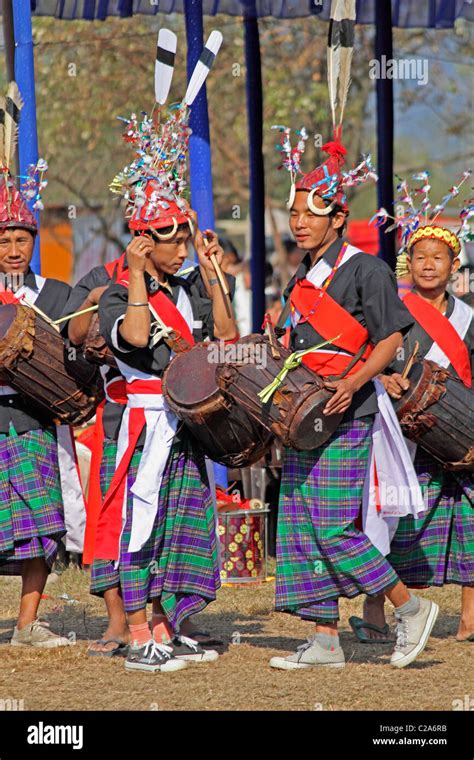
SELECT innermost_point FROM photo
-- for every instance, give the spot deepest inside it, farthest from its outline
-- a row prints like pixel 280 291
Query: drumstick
pixel 269 329
pixel 222 281
pixel 410 361
pixel 39 312
pixel 75 314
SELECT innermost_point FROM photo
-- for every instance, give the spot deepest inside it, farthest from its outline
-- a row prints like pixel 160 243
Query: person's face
pixel 169 255
pixel 312 231
pixel 16 250
pixel 431 264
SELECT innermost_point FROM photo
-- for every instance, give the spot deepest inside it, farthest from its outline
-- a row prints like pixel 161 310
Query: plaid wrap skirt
pixel 321 554
pixel 31 507
pixel 437 547
pixel 179 562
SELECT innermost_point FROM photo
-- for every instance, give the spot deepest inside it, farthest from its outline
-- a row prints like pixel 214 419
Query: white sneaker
pixel 152 657
pixel 37 634
pixel 413 632
pixel 187 649
pixel 310 655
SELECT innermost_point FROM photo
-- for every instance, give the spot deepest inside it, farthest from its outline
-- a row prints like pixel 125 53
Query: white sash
pixel 319 273
pixel 161 426
pixel 460 319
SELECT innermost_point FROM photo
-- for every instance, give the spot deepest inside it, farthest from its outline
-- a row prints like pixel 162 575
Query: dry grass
pixel 67 679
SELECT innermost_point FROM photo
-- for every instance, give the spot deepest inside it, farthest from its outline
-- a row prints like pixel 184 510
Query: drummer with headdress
pixel 348 299
pixel 157 521
pixel 32 520
pixel 438 547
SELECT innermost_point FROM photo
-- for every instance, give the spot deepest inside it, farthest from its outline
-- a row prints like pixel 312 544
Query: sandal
pixel 121 650
pixel 357 624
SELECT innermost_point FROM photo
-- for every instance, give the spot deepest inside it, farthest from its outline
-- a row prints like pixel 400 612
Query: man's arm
pixel 378 360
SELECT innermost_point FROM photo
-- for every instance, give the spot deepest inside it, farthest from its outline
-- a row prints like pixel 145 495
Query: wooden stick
pixel 410 361
pixel 222 281
pixel 75 314
pixel 44 316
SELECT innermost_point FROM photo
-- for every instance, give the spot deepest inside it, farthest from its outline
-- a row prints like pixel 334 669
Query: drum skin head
pixel 191 378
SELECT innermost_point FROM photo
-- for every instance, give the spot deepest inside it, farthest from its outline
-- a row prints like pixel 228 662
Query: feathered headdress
pixel 417 222
pixel 154 183
pixel 14 211
pixel 327 181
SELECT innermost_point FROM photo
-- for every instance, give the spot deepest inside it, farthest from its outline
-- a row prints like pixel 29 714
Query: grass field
pixel 66 679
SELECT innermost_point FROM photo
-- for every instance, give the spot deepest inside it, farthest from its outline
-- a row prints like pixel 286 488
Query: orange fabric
pixel 440 329
pixel 94 500
pixel 109 523
pixel 140 633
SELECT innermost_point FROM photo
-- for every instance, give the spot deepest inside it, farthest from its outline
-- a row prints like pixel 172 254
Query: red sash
pixel 329 319
pixel 117 266
pixel 109 522
pixel 168 312
pixel 440 329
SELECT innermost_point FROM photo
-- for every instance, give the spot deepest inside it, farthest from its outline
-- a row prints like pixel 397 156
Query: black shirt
pixel 366 287
pixel 15 409
pixel 417 333
pixel 98 277
pixel 154 361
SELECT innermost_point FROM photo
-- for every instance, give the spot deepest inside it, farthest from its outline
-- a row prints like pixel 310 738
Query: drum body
pixel 437 412
pixel 295 411
pixel 37 363
pixel 95 348
pixel 224 430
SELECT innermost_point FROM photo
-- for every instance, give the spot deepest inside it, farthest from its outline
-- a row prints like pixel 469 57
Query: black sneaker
pixel 189 650
pixel 152 657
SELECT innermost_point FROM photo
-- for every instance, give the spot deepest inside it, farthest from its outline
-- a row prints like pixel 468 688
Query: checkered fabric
pixel 31 508
pixel 438 547
pixel 321 554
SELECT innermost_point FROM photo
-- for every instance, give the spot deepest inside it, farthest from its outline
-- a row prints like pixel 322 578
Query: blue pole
pixel 200 164
pixel 385 129
pixel 25 79
pixel 254 97
pixel 199 143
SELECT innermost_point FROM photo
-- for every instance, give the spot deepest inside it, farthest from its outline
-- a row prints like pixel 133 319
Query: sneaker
pixel 190 650
pixel 413 632
pixel 310 655
pixel 152 657
pixel 38 634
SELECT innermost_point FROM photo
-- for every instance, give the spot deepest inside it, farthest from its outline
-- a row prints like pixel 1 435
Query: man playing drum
pixel 438 547
pixel 31 506
pixel 349 297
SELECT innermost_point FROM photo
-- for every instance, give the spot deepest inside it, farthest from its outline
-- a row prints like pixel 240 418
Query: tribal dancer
pixel 104 576
pixel 31 505
pixel 157 520
pixel 343 295
pixel 438 547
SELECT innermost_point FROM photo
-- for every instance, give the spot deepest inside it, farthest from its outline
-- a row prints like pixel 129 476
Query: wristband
pixel 137 303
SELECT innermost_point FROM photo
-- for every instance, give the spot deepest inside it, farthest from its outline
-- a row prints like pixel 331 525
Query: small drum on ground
pixel 36 362
pixel 95 348
pixel 243 543
pixel 437 412
pixel 225 431
pixel 294 413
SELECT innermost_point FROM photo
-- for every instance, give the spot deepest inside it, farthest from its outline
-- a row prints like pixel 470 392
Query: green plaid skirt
pixel 31 507
pixel 438 547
